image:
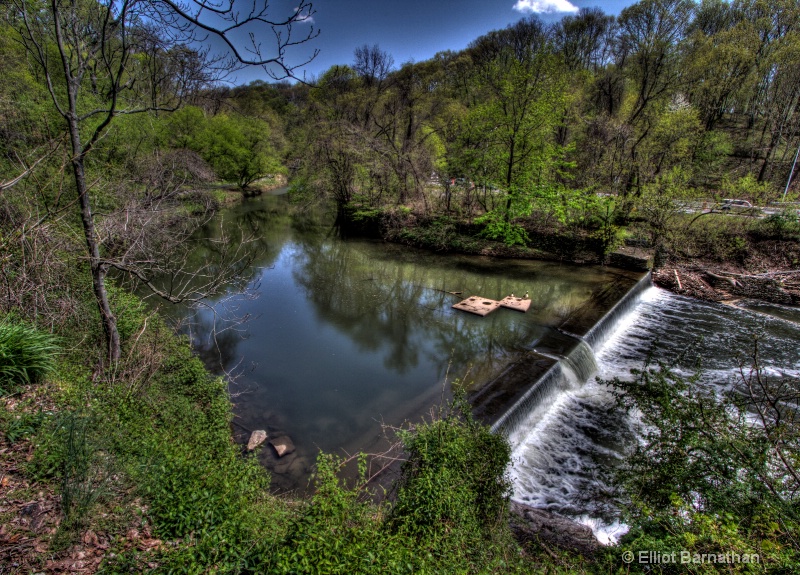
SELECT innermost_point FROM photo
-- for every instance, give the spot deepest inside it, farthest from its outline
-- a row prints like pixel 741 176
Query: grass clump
pixel 26 355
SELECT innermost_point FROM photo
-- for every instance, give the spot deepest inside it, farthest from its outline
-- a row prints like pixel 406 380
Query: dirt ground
pixel 770 272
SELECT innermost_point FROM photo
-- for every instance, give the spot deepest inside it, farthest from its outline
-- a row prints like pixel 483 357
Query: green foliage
pixel 340 532
pixel 602 214
pixel 716 237
pixel 238 149
pixel 454 486
pixel 704 478
pixel 498 227
pixel 128 309
pixel 748 188
pixel 711 153
pixel 182 128
pixel 172 439
pixel 83 470
pixel 26 354
pixel 784 225
pixel 22 426
pixel 438 234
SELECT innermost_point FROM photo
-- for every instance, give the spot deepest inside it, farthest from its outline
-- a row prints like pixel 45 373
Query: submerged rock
pixel 530 524
pixel 258 437
pixel 283 445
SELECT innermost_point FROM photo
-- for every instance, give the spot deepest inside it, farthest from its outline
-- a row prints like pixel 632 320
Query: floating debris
pixel 478 305
pixel 518 303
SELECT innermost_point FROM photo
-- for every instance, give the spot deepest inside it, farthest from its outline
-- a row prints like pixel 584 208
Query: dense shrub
pixel 713 474
pixel 453 492
pixel 784 225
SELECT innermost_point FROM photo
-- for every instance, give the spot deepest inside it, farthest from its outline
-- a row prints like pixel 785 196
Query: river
pixel 345 336
pixel 336 340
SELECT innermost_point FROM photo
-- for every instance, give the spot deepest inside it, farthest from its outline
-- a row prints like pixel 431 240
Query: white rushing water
pixel 563 453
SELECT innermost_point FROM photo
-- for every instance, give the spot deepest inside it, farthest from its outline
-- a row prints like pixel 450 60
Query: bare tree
pixel 90 53
pixel 372 63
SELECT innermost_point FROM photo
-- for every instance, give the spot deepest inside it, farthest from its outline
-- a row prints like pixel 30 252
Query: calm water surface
pixel 344 335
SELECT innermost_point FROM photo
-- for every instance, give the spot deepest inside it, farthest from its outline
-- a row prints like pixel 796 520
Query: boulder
pixel 632 258
pixel 283 445
pixel 531 524
pixel 258 437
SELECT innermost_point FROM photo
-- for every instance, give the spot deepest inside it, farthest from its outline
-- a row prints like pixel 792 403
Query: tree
pixel 90 54
pixel 585 40
pixel 522 88
pixel 238 149
pixel 649 50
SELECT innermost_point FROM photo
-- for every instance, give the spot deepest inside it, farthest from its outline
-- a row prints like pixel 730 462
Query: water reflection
pixel 347 334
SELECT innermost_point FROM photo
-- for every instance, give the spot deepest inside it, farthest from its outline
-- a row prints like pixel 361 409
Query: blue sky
pixel 418 29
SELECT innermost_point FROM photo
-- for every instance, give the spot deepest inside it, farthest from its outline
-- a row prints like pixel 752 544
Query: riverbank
pixel 134 470
pixel 229 195
pixel 732 258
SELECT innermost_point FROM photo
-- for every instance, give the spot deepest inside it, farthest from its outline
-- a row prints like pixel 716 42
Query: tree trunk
pixel 98 269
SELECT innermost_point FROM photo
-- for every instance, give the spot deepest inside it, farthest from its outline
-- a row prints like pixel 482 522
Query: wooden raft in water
pixel 478 305
pixel 517 303
pixel 484 306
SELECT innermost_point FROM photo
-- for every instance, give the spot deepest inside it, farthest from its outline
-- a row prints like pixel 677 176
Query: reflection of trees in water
pixel 257 233
pixel 214 341
pixel 402 306
pixel 256 230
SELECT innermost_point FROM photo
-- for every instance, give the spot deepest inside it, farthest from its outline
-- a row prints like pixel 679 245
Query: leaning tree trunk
pixel 98 268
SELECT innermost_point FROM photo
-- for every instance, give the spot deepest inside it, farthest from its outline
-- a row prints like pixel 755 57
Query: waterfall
pixel 561 360
pixel 538 396
pixel 563 454
pixel 599 333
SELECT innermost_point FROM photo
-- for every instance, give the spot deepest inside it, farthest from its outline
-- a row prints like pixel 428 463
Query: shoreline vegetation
pixel 668 130
pixel 140 474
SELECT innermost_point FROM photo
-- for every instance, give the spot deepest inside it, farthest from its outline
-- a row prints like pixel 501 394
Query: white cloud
pixel 545 6
pixel 303 17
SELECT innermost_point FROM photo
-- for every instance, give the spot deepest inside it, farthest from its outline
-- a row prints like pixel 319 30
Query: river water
pixel 344 336
pixel 562 457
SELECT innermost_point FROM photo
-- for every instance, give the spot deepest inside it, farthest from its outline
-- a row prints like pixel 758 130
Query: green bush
pixel 26 355
pixel 340 532
pixel 781 226
pixel 498 227
pixel 454 485
pixel 706 479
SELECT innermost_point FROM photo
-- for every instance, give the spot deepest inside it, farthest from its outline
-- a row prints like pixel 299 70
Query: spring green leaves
pixel 26 354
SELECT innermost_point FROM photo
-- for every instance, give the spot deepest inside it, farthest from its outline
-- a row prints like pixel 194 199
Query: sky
pixel 415 30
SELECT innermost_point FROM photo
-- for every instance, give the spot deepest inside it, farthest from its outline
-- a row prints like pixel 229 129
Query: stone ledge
pixel 530 524
pixel 632 258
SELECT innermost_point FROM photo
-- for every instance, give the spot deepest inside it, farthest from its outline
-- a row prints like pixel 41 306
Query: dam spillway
pixel 561 355
pixel 565 450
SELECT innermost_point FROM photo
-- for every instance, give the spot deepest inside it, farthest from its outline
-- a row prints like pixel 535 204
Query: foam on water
pixel 563 455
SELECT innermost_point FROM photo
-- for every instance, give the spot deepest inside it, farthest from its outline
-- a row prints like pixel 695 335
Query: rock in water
pixel 530 523
pixel 258 437
pixel 283 445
